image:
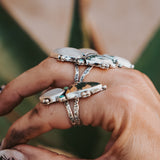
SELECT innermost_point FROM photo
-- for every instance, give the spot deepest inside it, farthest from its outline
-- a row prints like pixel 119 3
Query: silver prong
pixel 132 66
pixel 107 65
pixel 46 101
pixel 115 61
pixel 63 99
pixel 119 65
pixel 104 87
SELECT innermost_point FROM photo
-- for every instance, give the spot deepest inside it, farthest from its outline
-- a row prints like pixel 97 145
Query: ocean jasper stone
pixel 79 89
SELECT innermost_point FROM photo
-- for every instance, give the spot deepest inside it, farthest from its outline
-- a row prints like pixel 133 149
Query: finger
pixel 37 153
pixel 34 153
pixel 34 80
pixel 27 152
pixel 44 118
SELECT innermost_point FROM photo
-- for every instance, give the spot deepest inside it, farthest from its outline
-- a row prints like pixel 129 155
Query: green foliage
pixel 18 53
pixel 148 62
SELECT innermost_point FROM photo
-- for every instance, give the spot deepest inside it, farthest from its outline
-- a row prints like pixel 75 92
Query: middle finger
pixel 45 118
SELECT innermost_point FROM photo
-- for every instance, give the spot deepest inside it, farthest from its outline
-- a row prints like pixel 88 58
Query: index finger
pixel 47 73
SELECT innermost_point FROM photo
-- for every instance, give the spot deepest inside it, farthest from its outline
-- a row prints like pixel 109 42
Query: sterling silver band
pixel 76 77
pixel 76 112
pixel 85 73
pixel 69 112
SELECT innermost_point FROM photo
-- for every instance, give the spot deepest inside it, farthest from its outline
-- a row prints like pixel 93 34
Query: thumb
pixel 26 152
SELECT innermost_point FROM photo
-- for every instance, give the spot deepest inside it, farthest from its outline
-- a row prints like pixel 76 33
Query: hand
pixel 129 108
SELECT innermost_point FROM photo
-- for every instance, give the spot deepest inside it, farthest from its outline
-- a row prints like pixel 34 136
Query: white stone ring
pixel 89 57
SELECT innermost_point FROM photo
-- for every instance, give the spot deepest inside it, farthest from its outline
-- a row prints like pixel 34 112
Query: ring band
pixel 76 112
pixel 69 112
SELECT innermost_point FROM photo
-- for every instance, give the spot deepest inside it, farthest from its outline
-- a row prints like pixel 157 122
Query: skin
pixel 129 108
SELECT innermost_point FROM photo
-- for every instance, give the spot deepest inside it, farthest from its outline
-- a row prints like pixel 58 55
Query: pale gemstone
pixel 87 51
pixel 52 94
pixel 123 62
pixel 68 51
pixel 99 61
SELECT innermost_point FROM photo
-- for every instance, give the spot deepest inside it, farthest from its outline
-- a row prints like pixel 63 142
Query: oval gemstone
pixel 87 51
pixel 52 94
pixel 68 52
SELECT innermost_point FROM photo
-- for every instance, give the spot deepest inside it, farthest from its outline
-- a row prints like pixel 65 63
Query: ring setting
pixel 75 91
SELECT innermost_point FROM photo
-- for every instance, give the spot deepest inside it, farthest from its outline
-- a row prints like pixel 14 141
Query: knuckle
pixel 48 64
pixel 86 118
pixel 125 96
pixel 136 75
pixel 92 110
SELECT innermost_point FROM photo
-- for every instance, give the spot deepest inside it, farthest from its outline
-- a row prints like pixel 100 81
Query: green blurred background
pixel 18 52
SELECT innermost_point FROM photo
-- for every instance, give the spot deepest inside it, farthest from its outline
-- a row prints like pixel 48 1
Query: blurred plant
pixel 18 52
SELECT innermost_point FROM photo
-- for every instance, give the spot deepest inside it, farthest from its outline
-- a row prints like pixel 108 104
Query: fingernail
pixel 10 154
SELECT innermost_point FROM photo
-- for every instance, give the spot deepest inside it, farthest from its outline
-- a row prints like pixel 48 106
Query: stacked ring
pixel 86 57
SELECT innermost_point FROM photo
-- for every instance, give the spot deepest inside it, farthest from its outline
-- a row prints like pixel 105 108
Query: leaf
pixel 148 62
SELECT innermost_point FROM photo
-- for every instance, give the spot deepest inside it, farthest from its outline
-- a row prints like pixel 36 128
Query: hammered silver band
pixel 69 112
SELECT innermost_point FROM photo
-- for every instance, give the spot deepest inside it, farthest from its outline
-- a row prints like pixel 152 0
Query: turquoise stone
pixel 65 88
pixel 61 96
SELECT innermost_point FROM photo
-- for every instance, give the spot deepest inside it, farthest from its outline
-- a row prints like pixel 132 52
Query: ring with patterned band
pixel 74 92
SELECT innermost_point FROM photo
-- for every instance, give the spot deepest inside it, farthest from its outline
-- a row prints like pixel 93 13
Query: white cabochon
pixel 123 62
pixel 87 51
pixel 68 51
pixel 99 60
pixel 52 94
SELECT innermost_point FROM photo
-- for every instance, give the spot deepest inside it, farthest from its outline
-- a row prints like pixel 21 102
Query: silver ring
pixel 74 92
